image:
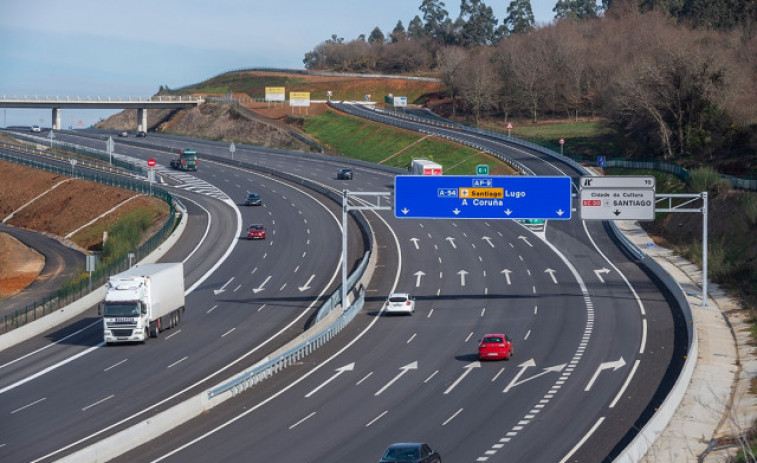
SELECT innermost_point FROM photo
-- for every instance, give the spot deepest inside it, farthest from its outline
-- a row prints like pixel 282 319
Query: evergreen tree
pixel 435 17
pixel 415 29
pixel 376 37
pixel 520 17
pixel 480 26
pixel 576 9
pixel 398 33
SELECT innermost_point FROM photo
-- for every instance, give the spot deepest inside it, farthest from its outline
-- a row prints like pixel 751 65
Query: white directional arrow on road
pixel 616 365
pixel 451 241
pixel 525 240
pixel 261 287
pixel 507 274
pixel 405 369
pixel 525 366
pixel 601 270
pixel 418 276
pixel 339 371
pixel 223 288
pixel 552 274
pixel 307 284
pixel 488 240
pixel 415 242
pixel 468 369
pixel 462 274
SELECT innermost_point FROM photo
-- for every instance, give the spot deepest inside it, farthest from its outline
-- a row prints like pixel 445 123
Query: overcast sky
pixel 105 48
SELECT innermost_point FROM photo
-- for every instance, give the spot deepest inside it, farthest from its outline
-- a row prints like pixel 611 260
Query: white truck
pixel 424 167
pixel 142 301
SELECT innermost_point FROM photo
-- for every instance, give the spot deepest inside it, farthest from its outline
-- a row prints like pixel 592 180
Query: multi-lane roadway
pixel 595 340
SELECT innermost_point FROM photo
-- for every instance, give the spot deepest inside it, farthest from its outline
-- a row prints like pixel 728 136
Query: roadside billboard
pixel 275 94
pixel 299 98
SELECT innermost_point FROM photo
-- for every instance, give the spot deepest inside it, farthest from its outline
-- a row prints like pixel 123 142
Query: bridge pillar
pixel 56 119
pixel 142 119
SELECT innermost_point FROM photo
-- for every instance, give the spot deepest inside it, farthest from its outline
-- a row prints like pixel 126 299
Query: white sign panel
pixel 275 94
pixel 400 101
pixel 617 198
pixel 299 98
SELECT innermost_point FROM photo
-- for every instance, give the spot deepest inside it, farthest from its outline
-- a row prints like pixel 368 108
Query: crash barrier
pixel 107 162
pixel 79 287
pixel 646 436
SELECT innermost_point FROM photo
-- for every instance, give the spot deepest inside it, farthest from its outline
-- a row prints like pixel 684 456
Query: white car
pixel 36 128
pixel 399 303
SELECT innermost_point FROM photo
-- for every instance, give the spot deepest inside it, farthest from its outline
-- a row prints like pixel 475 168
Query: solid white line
pixel 29 405
pixel 452 417
pixel 377 418
pixel 583 440
pixel 643 344
pixel 97 403
pixel 625 385
pixel 50 368
pixel 301 421
pixel 98 322
pixel 177 362
pixel 114 366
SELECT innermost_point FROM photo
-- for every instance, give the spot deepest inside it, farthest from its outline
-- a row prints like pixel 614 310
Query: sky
pixel 91 48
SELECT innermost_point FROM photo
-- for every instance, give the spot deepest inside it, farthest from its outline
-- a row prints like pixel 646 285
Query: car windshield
pixel 256 227
pixel 253 196
pixel 492 339
pixel 401 453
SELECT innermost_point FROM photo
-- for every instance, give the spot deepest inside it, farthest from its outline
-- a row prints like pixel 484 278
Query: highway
pixel 594 339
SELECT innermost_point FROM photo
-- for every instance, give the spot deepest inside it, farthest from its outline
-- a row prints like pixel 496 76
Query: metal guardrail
pixel 96 99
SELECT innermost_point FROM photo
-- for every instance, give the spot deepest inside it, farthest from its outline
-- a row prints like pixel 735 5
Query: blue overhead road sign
pixel 479 197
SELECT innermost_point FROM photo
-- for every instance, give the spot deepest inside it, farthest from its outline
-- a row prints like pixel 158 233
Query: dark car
pixel 123 134
pixel 344 174
pixel 256 232
pixel 253 199
pixel 410 452
pixel 141 134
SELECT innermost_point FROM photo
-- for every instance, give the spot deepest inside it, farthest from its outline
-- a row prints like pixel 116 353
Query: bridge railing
pixel 95 99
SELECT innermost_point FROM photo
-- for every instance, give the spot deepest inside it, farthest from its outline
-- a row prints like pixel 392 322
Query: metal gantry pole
pixel 704 249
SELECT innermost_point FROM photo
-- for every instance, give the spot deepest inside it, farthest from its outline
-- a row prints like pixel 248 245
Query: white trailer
pixel 143 301
pixel 424 167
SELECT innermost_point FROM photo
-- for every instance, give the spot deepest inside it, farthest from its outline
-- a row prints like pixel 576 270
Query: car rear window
pixel 397 299
pixel 492 339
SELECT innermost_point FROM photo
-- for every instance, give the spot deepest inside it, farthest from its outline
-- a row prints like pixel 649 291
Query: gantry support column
pixel 142 119
pixel 56 118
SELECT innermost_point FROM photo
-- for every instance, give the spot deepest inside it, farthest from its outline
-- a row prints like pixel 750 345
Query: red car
pixel 256 232
pixel 495 346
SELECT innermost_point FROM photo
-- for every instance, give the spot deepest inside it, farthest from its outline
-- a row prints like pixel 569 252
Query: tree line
pixel 675 78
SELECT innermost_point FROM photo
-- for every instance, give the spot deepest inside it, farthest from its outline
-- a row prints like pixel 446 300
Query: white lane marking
pixel 377 418
pixel 643 335
pixel 582 441
pixel 525 338
pixel 301 421
pixel 429 313
pixel 212 309
pixel 28 405
pixel 228 332
pixel 177 362
pixel 172 335
pixel 625 385
pixel 282 288
pixel 483 311
pixel 364 378
pixel 339 371
pixel 452 417
pixel 51 368
pixel 115 365
pixel 261 307
pixel 97 403
pixel 431 376
pixel 469 336
pixel 411 338
pixel 468 368
pixel 403 369
pixel 98 322
pixel 501 370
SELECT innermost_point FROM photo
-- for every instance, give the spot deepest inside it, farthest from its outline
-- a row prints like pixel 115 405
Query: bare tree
pixel 477 82
pixel 450 61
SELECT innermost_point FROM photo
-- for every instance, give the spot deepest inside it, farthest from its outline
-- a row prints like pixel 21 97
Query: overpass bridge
pixel 57 104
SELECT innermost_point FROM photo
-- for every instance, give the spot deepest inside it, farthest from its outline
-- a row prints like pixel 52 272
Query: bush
pixel 125 236
pixel 706 179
